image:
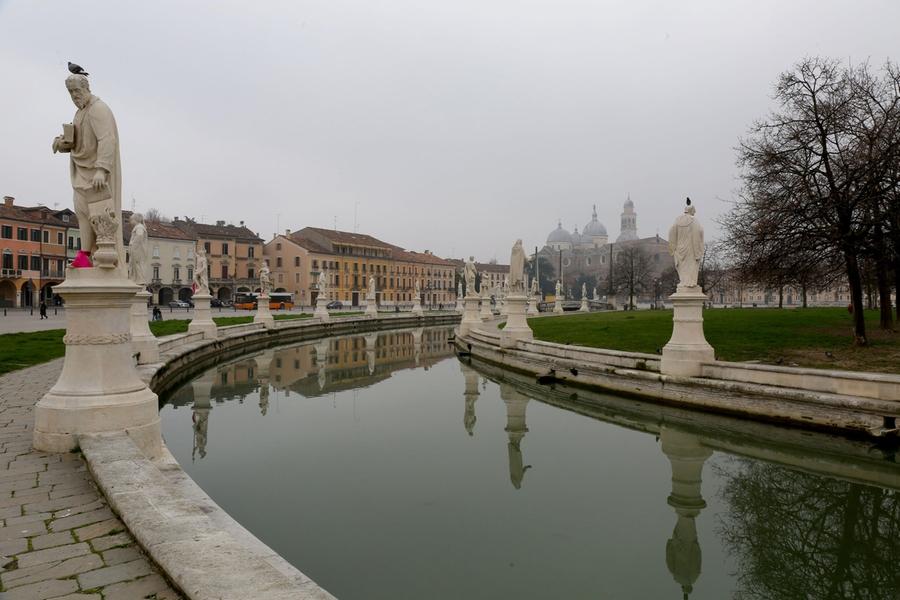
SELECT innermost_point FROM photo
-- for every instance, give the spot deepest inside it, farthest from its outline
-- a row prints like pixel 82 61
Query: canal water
pixel 385 468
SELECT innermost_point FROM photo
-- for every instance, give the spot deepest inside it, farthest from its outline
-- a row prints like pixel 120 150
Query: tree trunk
pixel 803 294
pixel 886 320
pixel 856 297
pixel 781 296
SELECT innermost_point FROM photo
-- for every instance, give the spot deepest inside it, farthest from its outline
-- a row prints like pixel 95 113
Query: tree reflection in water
pixel 797 535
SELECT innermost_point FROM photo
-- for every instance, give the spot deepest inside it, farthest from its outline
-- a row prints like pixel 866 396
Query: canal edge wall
pixel 857 403
pixel 205 552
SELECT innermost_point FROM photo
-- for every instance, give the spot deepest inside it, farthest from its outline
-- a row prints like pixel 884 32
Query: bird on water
pixel 77 70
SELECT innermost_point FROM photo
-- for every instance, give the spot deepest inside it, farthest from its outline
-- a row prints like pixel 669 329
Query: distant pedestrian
pixel 43 310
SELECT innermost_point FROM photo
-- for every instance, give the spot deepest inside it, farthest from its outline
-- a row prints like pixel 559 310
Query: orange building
pixel 33 252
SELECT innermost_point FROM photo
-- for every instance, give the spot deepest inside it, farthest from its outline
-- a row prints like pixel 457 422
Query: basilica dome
pixel 559 236
pixel 595 227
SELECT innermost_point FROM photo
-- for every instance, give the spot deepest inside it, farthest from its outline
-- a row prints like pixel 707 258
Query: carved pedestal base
pixel 99 389
pixel 460 305
pixel 486 313
pixel 470 315
pixel 557 306
pixel 321 312
pixel 417 308
pixel 202 321
pixel 371 308
pixel 263 314
pixel 688 348
pixel 584 306
pixel 143 342
pixel 516 326
pixel 532 307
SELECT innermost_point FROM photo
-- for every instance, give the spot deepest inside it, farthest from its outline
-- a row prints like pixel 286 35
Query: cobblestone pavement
pixel 59 539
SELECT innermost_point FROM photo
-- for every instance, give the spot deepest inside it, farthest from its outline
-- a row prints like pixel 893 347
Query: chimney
pixel 8 201
pixel 242 223
pixel 220 223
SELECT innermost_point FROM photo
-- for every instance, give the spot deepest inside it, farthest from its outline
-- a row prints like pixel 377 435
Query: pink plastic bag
pixel 82 260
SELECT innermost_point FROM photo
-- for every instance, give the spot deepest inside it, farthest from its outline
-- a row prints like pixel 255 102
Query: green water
pixel 384 468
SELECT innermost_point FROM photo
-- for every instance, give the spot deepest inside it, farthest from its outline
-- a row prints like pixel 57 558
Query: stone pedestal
pixel 532 306
pixel 143 342
pixel 471 396
pixel 460 304
pixel 688 348
pixel 470 318
pixel 202 321
pixel 557 306
pixel 263 313
pixel 321 312
pixel 371 307
pixel 486 313
pixel 584 305
pixel 99 389
pixel 516 326
pixel 371 346
pixel 516 403
pixel 417 307
pixel 504 310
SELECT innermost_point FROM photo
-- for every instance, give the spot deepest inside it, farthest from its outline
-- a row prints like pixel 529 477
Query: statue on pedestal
pixel 584 290
pixel 265 281
pixel 470 274
pixel 686 246
pixel 371 293
pixel 92 141
pixel 322 285
pixel 201 277
pixel 137 246
pixel 559 290
pixel 534 287
pixel 418 289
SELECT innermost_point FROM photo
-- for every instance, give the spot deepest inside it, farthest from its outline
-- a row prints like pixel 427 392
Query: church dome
pixel 559 236
pixel 595 227
pixel 577 238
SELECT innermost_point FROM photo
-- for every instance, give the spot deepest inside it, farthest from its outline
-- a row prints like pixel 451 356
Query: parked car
pixel 334 304
pixel 179 304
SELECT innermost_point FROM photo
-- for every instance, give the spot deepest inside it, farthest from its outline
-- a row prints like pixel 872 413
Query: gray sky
pixel 456 126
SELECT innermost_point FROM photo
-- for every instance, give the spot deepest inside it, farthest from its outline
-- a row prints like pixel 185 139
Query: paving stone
pixel 140 588
pixel 110 541
pixel 66 568
pixel 52 539
pixel 77 510
pixel 82 519
pixel 41 590
pixel 52 554
pixel 12 547
pixel 120 555
pixel 23 519
pixel 60 503
pixel 22 531
pixel 78 597
pixel 123 572
pixel 98 529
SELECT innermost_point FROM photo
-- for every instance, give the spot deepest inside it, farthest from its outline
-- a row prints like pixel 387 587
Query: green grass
pixel 20 350
pixel 793 336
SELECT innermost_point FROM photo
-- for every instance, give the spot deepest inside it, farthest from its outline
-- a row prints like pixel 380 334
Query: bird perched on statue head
pixel 77 70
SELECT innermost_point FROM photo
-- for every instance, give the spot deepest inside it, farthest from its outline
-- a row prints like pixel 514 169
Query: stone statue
pixel 517 268
pixel 92 141
pixel 584 290
pixel 559 289
pixel 470 274
pixel 201 277
pixel 459 289
pixel 322 284
pixel 686 246
pixel 418 289
pixel 265 281
pixel 137 265
pixel 596 295
pixel 534 286
pixel 371 287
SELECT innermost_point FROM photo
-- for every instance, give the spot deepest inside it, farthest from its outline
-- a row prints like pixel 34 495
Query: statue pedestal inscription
pixel 688 348
pixel 202 321
pixel 516 326
pixel 321 311
pixel 99 389
pixel 263 314
pixel 143 342
pixel 470 318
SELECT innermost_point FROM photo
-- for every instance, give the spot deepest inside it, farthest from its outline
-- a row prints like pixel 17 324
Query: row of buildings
pixel 37 242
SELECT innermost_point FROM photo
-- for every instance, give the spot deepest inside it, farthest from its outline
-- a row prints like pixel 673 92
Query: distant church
pixel 588 253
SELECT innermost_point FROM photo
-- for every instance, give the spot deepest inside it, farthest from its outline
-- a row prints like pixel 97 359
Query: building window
pixel 176 273
pixel 278 246
pixel 315 265
pixel 156 273
pixel 35 235
pixel 176 253
pixel 224 271
pixel 251 272
pixel 35 263
pixel 296 277
pixel 22 234
pixel 65 218
pixel 224 249
pixel 23 262
pixel 190 252
pixel 7 232
pixel 278 262
pixel 59 237
pixel 190 273
pixel 207 247
pixel 155 251
pixel 251 251
pixel 7 259
pixel 280 278
pixel 296 261
pixel 46 237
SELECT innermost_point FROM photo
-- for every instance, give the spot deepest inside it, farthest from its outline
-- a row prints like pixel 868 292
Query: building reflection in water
pixel 470 376
pixel 515 430
pixel 686 455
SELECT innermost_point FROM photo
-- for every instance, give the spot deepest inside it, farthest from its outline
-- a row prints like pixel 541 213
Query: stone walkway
pixel 59 539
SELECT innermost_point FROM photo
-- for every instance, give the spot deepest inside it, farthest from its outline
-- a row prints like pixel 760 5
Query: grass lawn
pixel 793 336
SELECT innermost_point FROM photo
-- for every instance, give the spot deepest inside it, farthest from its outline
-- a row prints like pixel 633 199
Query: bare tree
pixel 633 273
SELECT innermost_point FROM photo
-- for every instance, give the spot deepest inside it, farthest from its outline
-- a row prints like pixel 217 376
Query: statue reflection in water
pixel 201 389
pixel 470 395
pixel 263 364
pixel 515 430
pixel 686 455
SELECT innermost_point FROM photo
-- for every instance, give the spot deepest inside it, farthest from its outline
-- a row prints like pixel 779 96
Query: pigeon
pixel 77 70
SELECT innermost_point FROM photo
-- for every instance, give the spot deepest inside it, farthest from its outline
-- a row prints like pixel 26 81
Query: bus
pixel 277 300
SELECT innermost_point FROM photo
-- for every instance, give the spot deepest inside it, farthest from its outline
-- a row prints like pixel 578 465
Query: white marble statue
pixel 517 268
pixel 92 141
pixel 459 293
pixel 584 290
pixel 265 279
pixel 322 284
pixel 371 287
pixel 534 286
pixel 418 289
pixel 596 295
pixel 559 289
pixel 470 274
pixel 686 246
pixel 201 277
pixel 138 250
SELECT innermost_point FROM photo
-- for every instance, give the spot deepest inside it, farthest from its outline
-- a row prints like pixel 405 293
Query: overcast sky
pixel 456 126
